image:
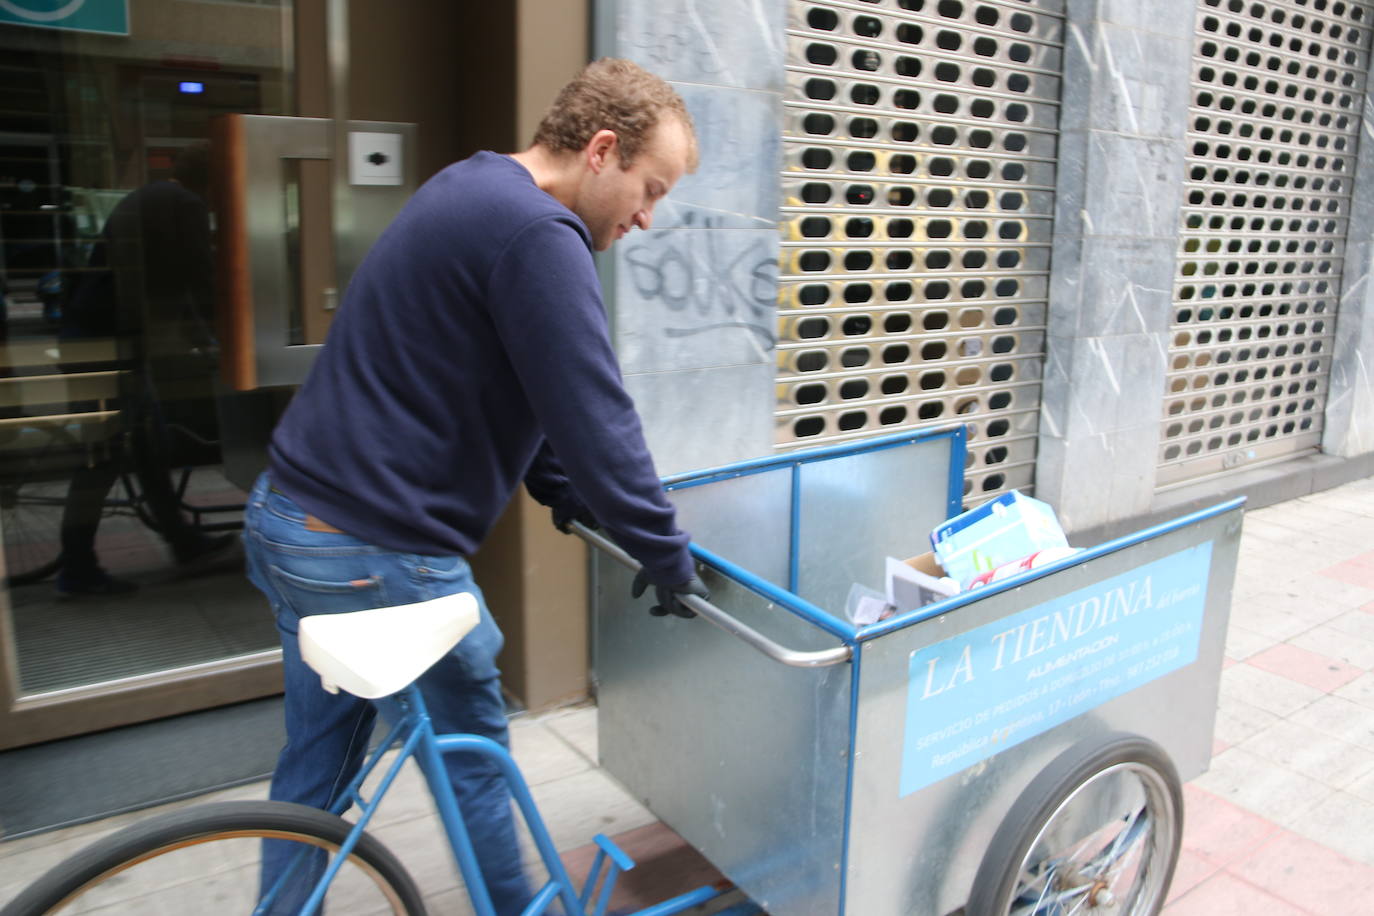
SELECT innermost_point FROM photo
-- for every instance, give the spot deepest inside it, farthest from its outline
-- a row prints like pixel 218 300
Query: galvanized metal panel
pixel 744 757
pixel 747 520
pixel 750 760
pixel 856 511
pixel 919 853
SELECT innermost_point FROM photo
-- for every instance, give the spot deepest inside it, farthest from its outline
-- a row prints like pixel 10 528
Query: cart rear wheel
pixel 1097 833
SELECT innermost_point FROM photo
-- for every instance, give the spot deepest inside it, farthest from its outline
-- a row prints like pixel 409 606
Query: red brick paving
pixel 1309 875
pixel 1358 570
pixel 1235 863
pixel 1218 831
pixel 1226 895
pixel 1320 672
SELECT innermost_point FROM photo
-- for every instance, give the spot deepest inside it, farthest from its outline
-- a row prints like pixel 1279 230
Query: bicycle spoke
pixel 1137 825
pixel 1049 882
pixel 1056 901
pixel 1089 871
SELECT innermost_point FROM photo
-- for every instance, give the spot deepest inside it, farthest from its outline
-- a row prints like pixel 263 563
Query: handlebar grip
pixel 737 628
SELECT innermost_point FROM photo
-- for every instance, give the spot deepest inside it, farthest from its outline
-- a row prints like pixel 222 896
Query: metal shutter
pixel 918 192
pixel 1277 93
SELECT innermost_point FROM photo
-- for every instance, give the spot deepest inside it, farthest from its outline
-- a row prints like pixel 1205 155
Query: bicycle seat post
pixel 402 706
pixel 431 763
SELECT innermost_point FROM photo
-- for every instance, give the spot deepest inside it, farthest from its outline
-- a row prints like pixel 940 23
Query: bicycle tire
pixel 1020 874
pixel 32 497
pixel 114 855
pixel 31 521
pixel 28 558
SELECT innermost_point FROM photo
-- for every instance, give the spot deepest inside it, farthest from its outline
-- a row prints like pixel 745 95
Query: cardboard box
pixel 916 582
pixel 1000 531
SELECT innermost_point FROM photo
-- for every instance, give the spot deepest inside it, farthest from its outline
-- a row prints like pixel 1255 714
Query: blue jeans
pixel 305 572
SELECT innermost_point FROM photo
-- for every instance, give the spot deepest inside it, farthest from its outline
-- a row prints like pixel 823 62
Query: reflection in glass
pixel 118 511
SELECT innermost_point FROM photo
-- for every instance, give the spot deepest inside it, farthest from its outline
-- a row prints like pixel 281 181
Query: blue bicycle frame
pixel 414 733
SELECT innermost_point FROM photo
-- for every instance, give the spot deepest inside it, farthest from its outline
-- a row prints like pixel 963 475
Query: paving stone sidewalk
pixel 1283 822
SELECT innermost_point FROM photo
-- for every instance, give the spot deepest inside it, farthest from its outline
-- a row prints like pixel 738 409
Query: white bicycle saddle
pixel 375 653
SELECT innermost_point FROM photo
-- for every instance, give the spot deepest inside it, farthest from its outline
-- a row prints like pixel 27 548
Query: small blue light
pixel 191 88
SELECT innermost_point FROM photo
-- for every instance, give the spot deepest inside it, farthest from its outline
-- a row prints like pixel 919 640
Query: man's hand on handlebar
pixel 566 514
pixel 667 595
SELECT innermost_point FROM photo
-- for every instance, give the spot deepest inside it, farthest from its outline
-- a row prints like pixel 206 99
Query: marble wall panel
pixel 1170 18
pixel 694 298
pixel 1125 286
pixel 1119 187
pixel 1111 380
pixel 1133 186
pixel 694 301
pixel 703 418
pixel 736 184
pixel 1109 79
pixel 1056 398
pixel 1349 418
pixel 1102 477
pixel 1071 183
pixel 1143 362
pixel 738 43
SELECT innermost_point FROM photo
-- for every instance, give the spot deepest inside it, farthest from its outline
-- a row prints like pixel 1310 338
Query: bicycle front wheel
pixel 207 860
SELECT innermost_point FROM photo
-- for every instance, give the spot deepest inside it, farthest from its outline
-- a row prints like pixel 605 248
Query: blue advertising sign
pixel 991 688
pixel 108 16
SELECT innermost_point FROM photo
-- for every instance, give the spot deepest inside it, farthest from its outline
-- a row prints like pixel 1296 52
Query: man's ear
pixel 601 149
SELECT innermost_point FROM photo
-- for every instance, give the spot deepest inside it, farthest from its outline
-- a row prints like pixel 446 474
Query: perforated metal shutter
pixel 1277 92
pixel 920 146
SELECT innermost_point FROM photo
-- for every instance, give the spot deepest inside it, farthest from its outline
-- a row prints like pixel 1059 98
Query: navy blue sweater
pixel 471 341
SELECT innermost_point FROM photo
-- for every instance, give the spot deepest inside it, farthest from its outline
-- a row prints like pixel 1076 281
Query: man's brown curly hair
pixel 612 94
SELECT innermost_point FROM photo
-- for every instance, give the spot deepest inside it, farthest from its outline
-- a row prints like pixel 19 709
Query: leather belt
pixel 313 522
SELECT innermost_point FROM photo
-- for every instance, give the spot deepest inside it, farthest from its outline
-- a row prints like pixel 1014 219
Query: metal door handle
pixel 255 281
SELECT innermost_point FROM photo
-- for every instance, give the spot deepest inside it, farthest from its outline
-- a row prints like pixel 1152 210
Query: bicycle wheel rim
pixel 1120 869
pixel 210 862
pixel 31 522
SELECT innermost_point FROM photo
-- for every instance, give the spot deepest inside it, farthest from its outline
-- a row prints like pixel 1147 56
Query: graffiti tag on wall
pixel 707 281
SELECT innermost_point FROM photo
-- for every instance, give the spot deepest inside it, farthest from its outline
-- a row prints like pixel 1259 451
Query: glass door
pixel 123 460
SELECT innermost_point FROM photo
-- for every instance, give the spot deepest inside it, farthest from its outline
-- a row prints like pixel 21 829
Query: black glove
pixel 567 513
pixel 666 595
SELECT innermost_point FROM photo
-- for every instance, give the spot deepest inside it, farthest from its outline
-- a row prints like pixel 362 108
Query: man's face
pixel 614 200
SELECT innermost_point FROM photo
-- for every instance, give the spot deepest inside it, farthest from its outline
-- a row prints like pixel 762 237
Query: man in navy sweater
pixel 472 351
